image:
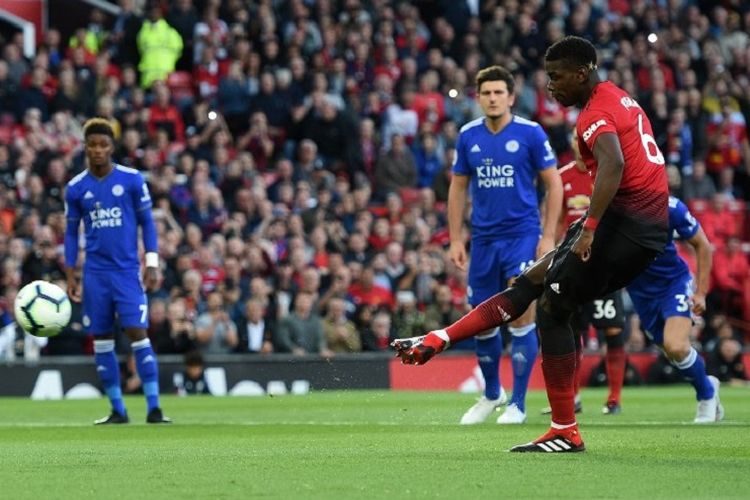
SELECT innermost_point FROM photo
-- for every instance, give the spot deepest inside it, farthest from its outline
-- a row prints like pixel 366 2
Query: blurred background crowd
pixel 298 152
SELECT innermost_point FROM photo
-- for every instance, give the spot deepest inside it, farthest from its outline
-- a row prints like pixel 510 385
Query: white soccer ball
pixel 42 308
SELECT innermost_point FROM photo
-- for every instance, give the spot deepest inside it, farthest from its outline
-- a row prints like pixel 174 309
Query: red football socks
pixel 559 371
pixel 615 372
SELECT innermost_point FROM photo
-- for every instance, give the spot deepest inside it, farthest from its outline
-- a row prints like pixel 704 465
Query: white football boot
pixel 512 415
pixel 483 409
pixel 710 410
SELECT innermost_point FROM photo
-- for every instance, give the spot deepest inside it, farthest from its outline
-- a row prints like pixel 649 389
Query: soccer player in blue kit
pixel 499 157
pixel 113 201
pixel 664 297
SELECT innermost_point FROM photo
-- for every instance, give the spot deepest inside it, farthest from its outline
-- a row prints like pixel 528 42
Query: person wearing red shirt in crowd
pixel 211 274
pixel 717 222
pixel 428 102
pixel 366 292
pixel 208 73
pixel 728 147
pixel 731 277
pixel 164 114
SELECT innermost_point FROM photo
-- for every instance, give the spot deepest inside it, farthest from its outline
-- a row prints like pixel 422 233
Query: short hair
pixel 98 126
pixel 494 74
pixel 574 50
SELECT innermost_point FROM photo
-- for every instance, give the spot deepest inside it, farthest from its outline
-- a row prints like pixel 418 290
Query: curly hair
pixel 573 50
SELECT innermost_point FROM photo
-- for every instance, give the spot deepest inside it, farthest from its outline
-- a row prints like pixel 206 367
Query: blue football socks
pixel 148 371
pixel 489 348
pixel 694 370
pixel 109 373
pixel 523 348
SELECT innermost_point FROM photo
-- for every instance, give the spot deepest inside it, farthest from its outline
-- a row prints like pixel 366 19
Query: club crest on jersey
pixel 592 128
pixel 117 190
pixel 512 146
pixel 629 102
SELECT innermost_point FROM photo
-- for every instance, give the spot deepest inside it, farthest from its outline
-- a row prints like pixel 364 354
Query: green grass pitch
pixel 370 445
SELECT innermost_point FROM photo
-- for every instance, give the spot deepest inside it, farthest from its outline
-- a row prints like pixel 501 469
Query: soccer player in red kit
pixel 605 313
pixel 625 228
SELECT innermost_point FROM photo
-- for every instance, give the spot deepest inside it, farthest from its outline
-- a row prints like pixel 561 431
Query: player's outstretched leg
pixel 615 363
pixel 109 373
pixel 148 371
pixel 498 310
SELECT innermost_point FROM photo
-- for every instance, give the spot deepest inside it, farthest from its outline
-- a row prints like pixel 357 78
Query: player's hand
pixel 74 289
pixel 458 255
pixel 699 303
pixel 151 279
pixel 582 245
pixel 546 243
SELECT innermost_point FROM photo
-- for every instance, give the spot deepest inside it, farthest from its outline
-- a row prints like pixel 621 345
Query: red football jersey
pixel 577 187
pixel 640 204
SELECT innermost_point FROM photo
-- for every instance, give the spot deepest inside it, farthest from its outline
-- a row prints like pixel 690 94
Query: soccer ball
pixel 42 308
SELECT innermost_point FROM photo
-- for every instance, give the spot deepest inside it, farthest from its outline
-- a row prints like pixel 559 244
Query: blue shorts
pixel 654 311
pixel 493 263
pixel 106 293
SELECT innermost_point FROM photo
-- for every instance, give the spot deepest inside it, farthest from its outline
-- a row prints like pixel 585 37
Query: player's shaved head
pixel 573 50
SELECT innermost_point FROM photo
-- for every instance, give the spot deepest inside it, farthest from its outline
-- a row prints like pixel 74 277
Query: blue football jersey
pixel 110 210
pixel 503 168
pixel 669 265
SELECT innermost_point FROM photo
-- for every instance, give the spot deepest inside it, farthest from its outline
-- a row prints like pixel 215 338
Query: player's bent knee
pixel 677 350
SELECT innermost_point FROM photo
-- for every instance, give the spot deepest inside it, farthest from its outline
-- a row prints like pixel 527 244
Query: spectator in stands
pixel 215 332
pixel 441 311
pixel 395 169
pixel 183 17
pixel 159 46
pixel 255 329
pixel 124 34
pixel 165 115
pixel 301 332
pixel 378 334
pixel 170 329
pixel 698 185
pixel 341 334
pixel 731 278
pixel 726 363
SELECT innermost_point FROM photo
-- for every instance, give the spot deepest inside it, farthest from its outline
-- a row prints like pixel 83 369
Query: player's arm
pixel 456 208
pixel 142 202
pixel 72 224
pixel 704 257
pixel 551 209
pixel 610 164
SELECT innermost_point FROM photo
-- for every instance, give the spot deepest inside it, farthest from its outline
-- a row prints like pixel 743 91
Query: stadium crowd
pixel 299 152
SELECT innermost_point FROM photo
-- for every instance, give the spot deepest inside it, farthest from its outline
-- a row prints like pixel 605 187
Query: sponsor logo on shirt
pixel 105 217
pixel 491 176
pixel 592 128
